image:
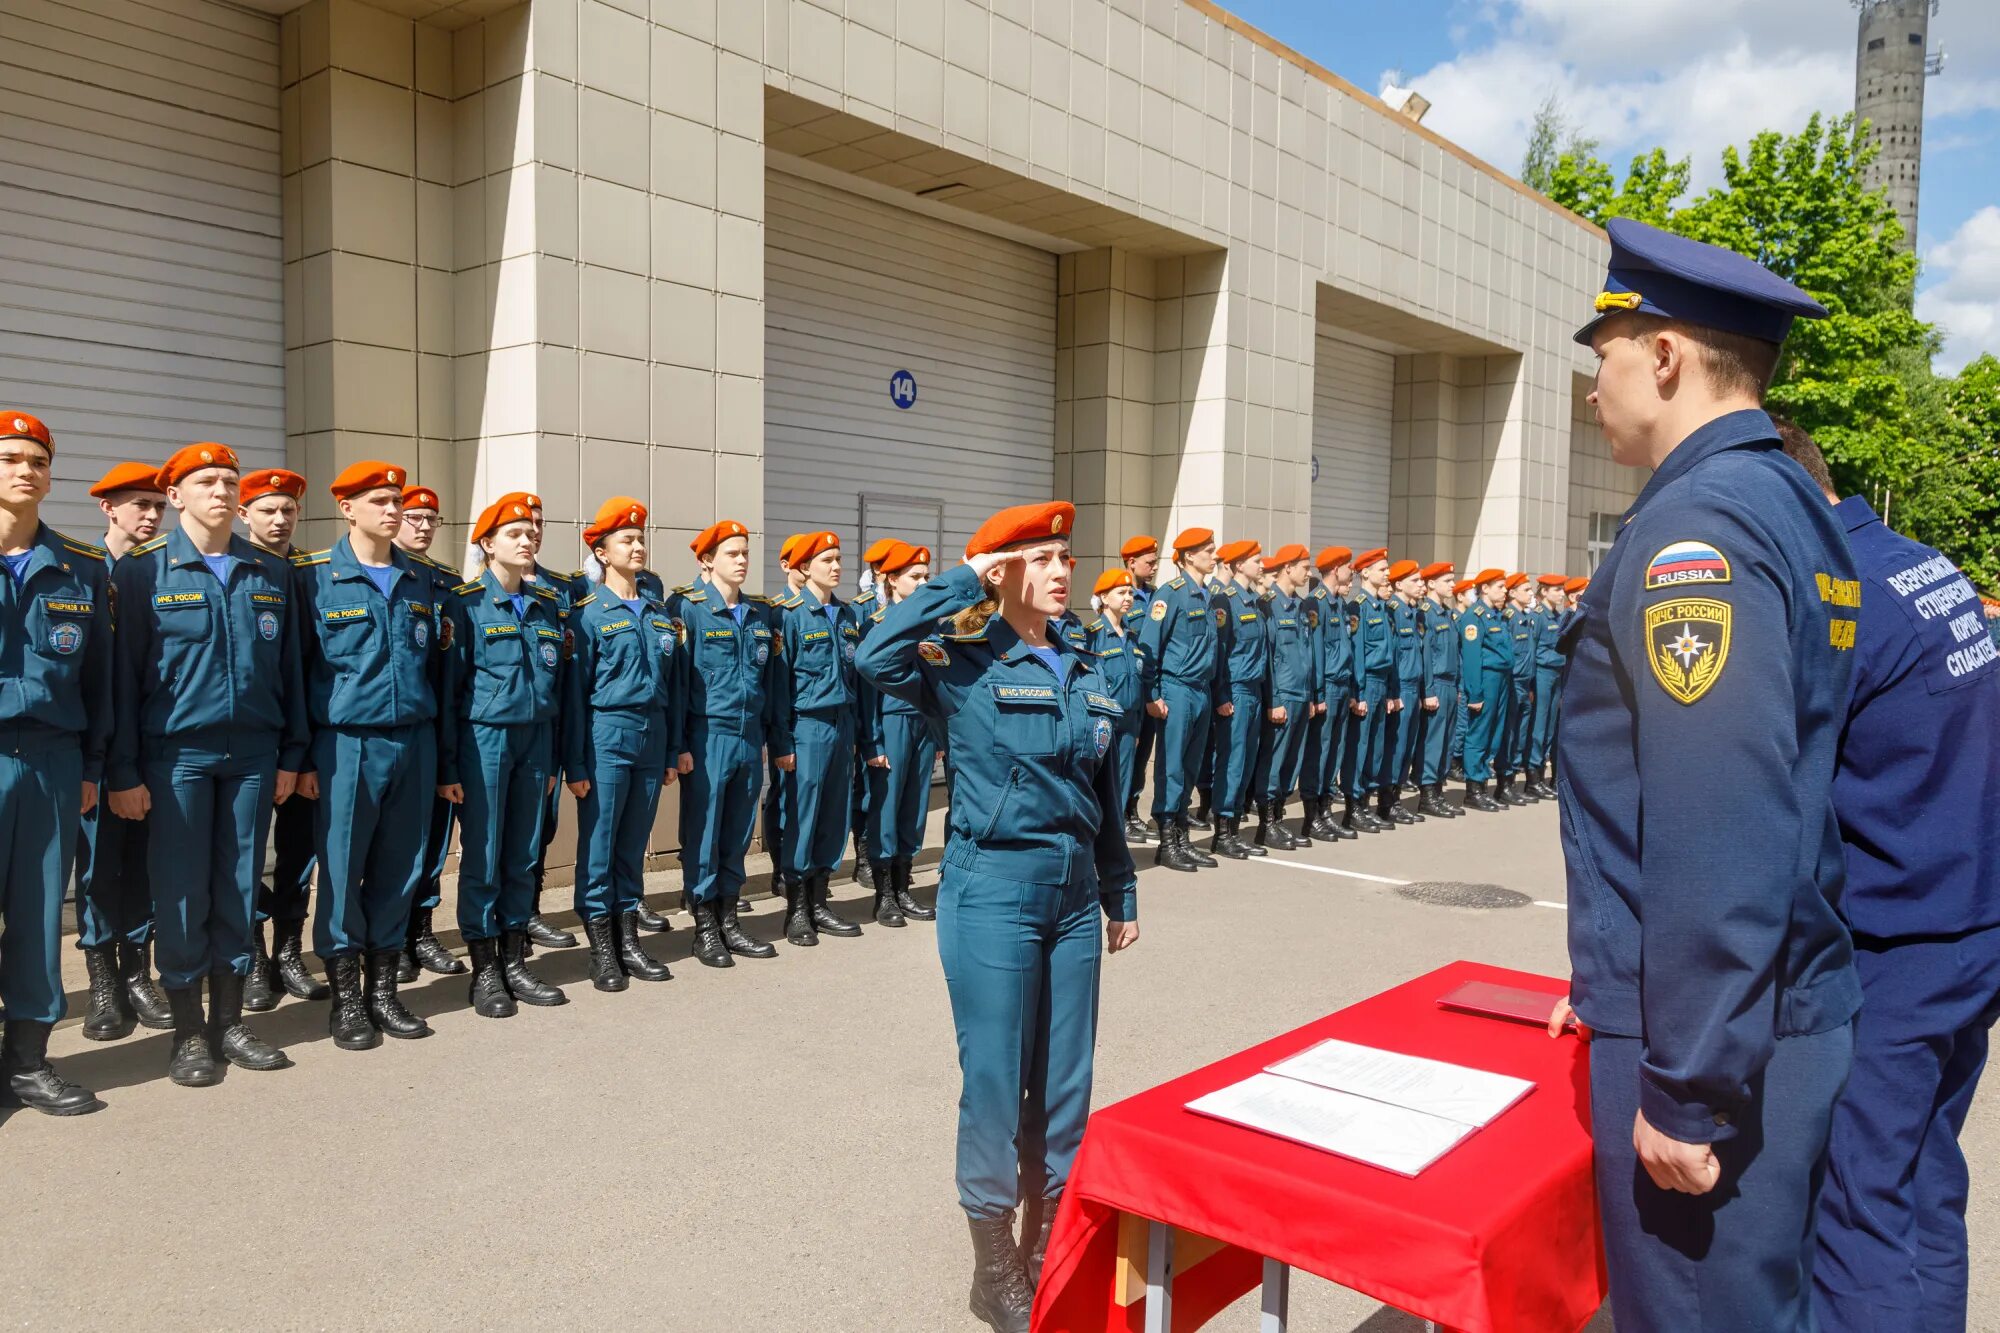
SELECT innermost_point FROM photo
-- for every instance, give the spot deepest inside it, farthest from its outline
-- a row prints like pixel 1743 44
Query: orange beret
pixel 1113 578
pixel 1023 523
pixel 123 477
pixel 1463 586
pixel 715 534
pixel 528 498
pixel 1553 580
pixel 785 548
pixel 1575 586
pixel 809 545
pixel 1486 576
pixel 878 548
pixel 18 425
pixel 189 459
pixel 1289 553
pixel 1401 570
pixel 498 515
pixel 420 497
pixel 1436 571
pixel 272 481
pixel 1367 558
pixel 1515 580
pixel 1333 557
pixel 1272 563
pixel 1192 538
pixel 1138 546
pixel 1230 552
pixel 901 555
pixel 620 511
pixel 358 478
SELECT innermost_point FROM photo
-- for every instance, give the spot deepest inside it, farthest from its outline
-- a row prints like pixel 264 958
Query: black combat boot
pixel 632 955
pixel 407 970
pixel 111 1017
pixel 606 973
pixel 489 995
pixel 651 921
pixel 906 902
pixel 1477 799
pixel 286 950
pixel 135 964
pixel 1541 786
pixel 825 920
pixel 887 911
pixel 1199 819
pixel 1038 1219
pixel 190 1060
pixel 1250 848
pixel 260 988
pixel 1301 839
pixel 1457 773
pixel 1224 842
pixel 798 914
pixel 709 950
pixel 1389 806
pixel 384 1009
pixel 1200 857
pixel 1001 1297
pixel 1135 829
pixel 543 935
pixel 522 983
pixel 1270 833
pixel 733 937
pixel 1517 783
pixel 31 1080
pixel 347 1008
pixel 1503 791
pixel 425 949
pixel 1331 827
pixel 864 863
pixel 229 1036
pixel 1429 802
pixel 1356 820
pixel 1169 853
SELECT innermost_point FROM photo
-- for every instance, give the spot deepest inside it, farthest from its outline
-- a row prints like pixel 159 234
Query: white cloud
pixel 1964 296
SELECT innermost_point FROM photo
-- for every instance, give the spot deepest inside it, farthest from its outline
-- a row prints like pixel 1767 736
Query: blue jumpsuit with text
pixel 1333 647
pixel 1293 687
pixel 1441 664
pixel 1181 666
pixel 1401 728
pixel 1374 647
pixel 1486 665
pixel 823 695
pixel 1244 644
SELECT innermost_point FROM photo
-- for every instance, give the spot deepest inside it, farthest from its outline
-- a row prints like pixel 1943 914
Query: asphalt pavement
pixel 763 1148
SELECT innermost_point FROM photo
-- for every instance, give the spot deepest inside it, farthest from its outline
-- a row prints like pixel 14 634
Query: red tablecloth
pixel 1498 1235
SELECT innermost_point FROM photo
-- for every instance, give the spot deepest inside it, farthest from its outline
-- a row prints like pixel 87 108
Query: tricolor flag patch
pixel 1686 562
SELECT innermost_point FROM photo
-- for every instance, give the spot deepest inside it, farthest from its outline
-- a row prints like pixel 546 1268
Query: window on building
pixel 1877 43
pixel 1916 39
pixel 1603 532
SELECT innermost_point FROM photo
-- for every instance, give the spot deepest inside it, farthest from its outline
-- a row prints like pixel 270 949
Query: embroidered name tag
pixel 814 636
pixel 492 631
pixel 1036 692
pixel 268 598
pixel 70 608
pixel 612 627
pixel 718 634
pixel 1104 701
pixel 342 613
pixel 418 608
pixel 179 598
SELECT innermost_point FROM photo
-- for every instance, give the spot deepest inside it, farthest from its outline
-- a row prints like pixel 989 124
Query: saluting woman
pixel 627 687
pixel 904 749
pixel 499 763
pixel 1035 853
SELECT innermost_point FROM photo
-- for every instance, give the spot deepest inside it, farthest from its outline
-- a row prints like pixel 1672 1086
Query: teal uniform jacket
pixel 370 661
pixel 503 670
pixel 56 648
pixel 737 677
pixel 626 664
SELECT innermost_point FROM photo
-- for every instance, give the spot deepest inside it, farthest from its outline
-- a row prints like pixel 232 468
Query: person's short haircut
pixel 1799 447
pixel 1734 362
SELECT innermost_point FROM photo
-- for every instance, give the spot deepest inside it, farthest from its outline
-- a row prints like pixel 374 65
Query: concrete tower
pixel 1892 60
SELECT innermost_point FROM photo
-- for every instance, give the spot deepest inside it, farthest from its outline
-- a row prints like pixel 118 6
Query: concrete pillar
pixel 1105 393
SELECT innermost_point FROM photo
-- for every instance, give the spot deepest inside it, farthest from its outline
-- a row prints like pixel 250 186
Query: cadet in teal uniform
pixel 1524 627
pixel 1441 706
pixel 55 724
pixel 866 603
pixel 1486 668
pixel 1140 557
pixel 900 749
pixel 823 696
pixel 422 512
pixel 623 743
pixel 1294 692
pixel 735 708
pixel 374 678
pixel 268 504
pixel 1036 855
pixel 114 900
pixel 210 731
pixel 567 587
pixel 505 682
pixel 773 810
pixel 1551 617
pixel 1464 594
pixel 1115 642
pixel 1405 704
pixel 1243 643
pixel 1332 622
pixel 1374 646
pixel 1181 668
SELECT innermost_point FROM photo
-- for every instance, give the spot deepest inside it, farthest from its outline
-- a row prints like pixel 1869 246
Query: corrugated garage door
pixel 857 291
pixel 1354 390
pixel 141 289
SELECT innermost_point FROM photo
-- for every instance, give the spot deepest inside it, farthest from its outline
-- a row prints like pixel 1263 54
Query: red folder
pixel 1493 1000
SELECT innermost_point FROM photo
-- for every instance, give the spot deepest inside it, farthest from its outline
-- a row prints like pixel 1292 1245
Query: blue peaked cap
pixel 1655 272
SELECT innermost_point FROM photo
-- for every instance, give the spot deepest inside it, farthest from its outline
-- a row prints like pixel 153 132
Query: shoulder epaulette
pixel 977 636
pixel 877 614
pixel 468 588
pixel 1177 582
pixel 80 548
pixel 578 576
pixel 541 590
pixel 687 595
pixel 303 558
pixel 586 599
pixel 1094 626
pixel 683 588
pixel 145 548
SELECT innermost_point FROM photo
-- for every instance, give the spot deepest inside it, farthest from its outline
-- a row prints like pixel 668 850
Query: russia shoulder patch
pixel 1686 562
pixel 934 653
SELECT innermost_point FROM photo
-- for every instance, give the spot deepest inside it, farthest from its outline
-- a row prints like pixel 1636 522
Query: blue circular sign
pixel 903 390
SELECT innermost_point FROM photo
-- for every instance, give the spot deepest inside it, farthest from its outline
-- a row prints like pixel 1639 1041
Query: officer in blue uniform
pixel 1114 641
pixel 114 899
pixel 210 732
pixel 1243 644
pixel 374 653
pixel 1333 666
pixel 1551 616
pixel 1705 693
pixel 55 724
pixel 626 718
pixel 268 505
pixel 1440 720
pixel 422 512
pixel 1486 665
pixel 1181 668
pixel 899 748
pixel 1524 627
pixel 1293 625
pixel 1140 557
pixel 823 695
pixel 1406 702
pixel 1923 901
pixel 1035 856
pixel 1372 633
pixel 504 685
pixel 735 708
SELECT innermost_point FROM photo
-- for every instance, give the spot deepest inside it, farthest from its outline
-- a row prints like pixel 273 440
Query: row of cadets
pixel 1334 622
pixel 900 749
pixel 1241 689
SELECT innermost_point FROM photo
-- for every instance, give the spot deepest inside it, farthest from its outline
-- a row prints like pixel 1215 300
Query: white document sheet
pixel 1473 1097
pixel 1373 1132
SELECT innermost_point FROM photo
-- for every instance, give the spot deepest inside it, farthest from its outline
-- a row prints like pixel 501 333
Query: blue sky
pixel 1635 74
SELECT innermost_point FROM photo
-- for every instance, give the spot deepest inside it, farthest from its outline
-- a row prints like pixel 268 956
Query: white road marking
pixel 1356 874
pixel 1560 907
